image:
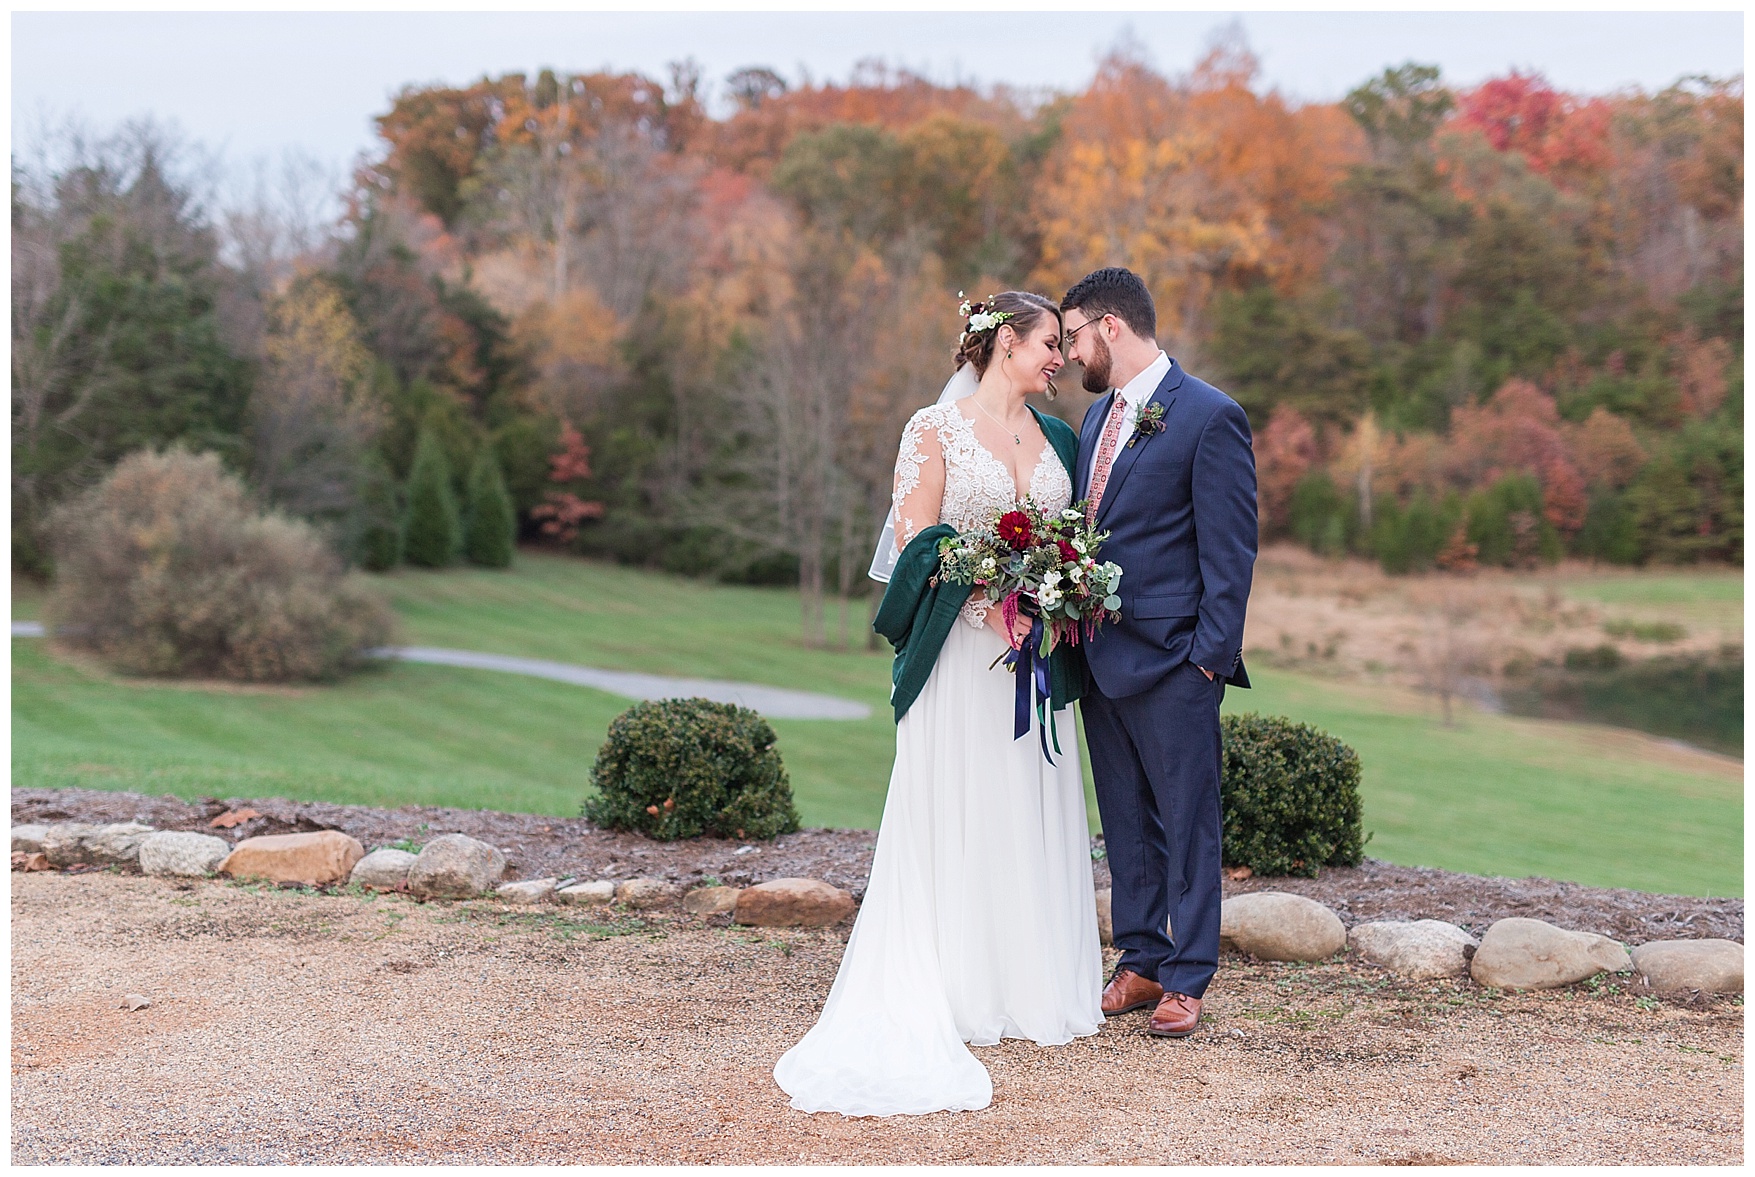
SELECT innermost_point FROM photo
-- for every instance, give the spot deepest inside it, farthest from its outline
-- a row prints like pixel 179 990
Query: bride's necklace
pixel 1017 438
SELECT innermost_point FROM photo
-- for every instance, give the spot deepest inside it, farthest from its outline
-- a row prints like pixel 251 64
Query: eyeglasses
pixel 1068 337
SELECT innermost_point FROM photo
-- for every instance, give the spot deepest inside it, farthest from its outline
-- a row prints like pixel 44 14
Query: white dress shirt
pixel 1138 391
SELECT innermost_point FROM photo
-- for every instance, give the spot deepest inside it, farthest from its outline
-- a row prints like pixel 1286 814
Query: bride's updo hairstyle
pixel 1023 312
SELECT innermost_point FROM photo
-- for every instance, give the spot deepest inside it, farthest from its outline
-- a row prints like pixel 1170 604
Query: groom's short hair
pixel 1118 291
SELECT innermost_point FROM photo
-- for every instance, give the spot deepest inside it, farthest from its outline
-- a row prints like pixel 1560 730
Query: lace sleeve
pixel 920 479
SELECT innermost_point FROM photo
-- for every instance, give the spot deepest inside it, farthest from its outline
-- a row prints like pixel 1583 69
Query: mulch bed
pixel 539 846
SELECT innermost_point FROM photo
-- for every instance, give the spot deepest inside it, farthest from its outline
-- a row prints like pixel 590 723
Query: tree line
pixel 1487 325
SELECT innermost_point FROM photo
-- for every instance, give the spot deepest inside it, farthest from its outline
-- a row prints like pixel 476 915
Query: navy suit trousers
pixel 1156 759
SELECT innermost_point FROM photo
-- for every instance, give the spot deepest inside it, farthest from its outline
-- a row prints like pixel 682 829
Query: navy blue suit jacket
pixel 1180 511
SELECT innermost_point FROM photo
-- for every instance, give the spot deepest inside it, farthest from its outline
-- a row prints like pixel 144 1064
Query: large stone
pixel 64 842
pixel 455 866
pixel 711 900
pixel 1277 925
pixel 28 839
pixel 1710 966
pixel 645 893
pixel 182 855
pixel 1519 953
pixel 384 869
pixel 793 903
pixel 525 891
pixel 325 856
pixel 593 894
pixel 1105 916
pixel 117 844
pixel 1421 950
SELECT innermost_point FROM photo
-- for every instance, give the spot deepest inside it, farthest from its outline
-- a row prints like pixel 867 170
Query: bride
pixel 979 919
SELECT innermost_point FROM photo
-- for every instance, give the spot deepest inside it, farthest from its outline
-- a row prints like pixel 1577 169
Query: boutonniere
pixel 1150 421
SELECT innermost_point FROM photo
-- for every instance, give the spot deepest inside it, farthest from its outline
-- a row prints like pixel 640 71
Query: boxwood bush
pixel 1290 797
pixel 680 768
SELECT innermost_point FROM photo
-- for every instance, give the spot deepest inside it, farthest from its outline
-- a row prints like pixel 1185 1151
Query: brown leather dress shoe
pixel 1129 991
pixel 1176 1016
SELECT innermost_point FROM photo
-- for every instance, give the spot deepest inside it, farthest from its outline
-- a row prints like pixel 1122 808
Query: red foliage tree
pixel 1518 431
pixel 564 512
pixel 1285 451
pixel 1560 136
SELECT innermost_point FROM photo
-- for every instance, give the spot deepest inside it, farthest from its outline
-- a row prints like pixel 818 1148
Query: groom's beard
pixel 1096 377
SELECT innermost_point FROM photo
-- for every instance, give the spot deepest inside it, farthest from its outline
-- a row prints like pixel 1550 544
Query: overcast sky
pixel 252 85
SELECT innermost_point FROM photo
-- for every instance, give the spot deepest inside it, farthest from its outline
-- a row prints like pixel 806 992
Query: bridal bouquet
pixel 1041 564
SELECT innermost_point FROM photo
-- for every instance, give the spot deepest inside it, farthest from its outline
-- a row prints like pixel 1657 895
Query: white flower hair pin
pixel 979 317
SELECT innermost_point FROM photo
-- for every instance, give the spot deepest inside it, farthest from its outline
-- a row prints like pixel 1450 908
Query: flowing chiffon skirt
pixel 979 919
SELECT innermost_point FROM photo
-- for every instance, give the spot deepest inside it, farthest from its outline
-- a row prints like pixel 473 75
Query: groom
pixel 1165 461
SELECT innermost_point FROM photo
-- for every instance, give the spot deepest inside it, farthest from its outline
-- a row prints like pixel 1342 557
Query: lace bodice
pixel 939 447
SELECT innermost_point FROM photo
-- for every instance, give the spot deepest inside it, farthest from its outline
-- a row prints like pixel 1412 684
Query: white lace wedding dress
pixel 979 920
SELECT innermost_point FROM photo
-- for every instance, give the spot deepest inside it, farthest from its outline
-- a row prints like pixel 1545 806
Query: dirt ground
pixel 293 1027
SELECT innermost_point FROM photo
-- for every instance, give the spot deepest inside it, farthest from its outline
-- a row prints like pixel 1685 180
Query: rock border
pixel 1515 953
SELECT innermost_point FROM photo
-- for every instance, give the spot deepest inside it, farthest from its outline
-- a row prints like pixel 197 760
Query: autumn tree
pixel 315 412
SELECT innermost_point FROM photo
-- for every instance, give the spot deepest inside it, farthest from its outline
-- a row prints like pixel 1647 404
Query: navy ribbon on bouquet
pixel 1032 671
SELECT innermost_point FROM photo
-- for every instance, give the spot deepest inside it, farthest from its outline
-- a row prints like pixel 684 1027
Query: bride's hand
pixel 1017 634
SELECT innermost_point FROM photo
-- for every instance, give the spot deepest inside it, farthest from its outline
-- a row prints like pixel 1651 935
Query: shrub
pixel 1604 657
pixel 490 526
pixel 433 534
pixel 164 568
pixel 1646 631
pixel 1290 797
pixel 680 768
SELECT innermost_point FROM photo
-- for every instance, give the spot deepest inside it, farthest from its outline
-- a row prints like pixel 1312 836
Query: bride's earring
pixel 1008 353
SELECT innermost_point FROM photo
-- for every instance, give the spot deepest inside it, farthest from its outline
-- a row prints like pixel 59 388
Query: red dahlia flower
pixel 1068 553
pixel 1014 529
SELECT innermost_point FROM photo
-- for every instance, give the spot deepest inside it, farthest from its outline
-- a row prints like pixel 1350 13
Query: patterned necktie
pixel 1105 454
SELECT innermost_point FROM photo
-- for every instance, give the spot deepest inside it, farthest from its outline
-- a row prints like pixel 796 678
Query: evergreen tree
pixel 433 532
pixel 117 342
pixel 378 546
pixel 490 524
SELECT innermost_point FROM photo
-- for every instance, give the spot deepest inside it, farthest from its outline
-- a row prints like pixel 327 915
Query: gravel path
pixel 773 702
pixel 290 1027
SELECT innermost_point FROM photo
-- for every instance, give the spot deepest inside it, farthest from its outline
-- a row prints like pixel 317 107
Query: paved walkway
pixel 773 702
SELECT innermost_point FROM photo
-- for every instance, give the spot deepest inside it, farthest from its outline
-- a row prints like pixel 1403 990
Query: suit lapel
pixel 1127 455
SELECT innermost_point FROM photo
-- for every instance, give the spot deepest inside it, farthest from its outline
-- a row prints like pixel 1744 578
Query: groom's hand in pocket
pixel 1204 671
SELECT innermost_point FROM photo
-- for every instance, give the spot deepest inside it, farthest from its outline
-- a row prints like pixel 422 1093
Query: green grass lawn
pixel 1705 598
pixel 1493 794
